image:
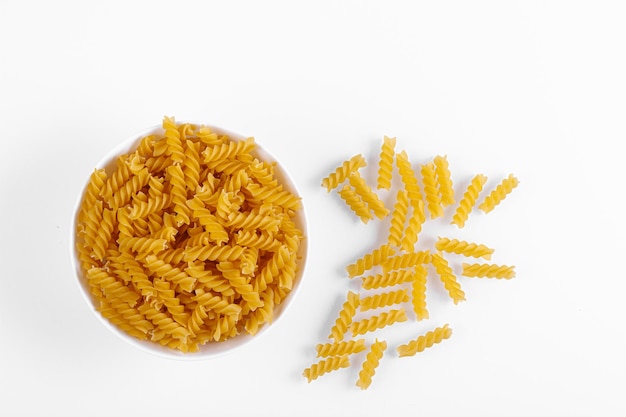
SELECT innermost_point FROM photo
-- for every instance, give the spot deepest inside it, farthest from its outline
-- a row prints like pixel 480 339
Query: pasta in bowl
pixel 189 240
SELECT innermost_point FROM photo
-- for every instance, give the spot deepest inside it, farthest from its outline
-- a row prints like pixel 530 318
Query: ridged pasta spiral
pixel 448 278
pixel 407 260
pixel 398 218
pixel 385 163
pixel 172 138
pixel 368 195
pixel 387 279
pixel 344 319
pixel 409 178
pixel 413 229
pixel 462 247
pixel 501 191
pixel 431 189
pixel 488 271
pixel 425 341
pixel 325 366
pixel 356 203
pixel 342 172
pixel 384 299
pixel 372 360
pixel 446 190
pixel 325 350
pixel 418 293
pixel 379 321
pixel 369 260
pixel 228 150
pixel 469 199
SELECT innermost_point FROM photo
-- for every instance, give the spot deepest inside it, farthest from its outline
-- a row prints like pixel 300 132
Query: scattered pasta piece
pixel 407 260
pixel 373 323
pixel 448 278
pixel 414 227
pixel 398 218
pixel 369 260
pixel 368 195
pixel 431 189
pixel 372 360
pixel 469 199
pixel 342 172
pixel 356 203
pixel 387 279
pixel 340 348
pixel 444 181
pixel 384 299
pixel 344 319
pixel 325 366
pixel 496 196
pixel 461 247
pixel 488 271
pixel 418 293
pixel 425 341
pixel 409 179
pixel 385 164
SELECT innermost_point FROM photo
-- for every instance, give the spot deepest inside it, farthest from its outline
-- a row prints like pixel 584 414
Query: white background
pixel 534 88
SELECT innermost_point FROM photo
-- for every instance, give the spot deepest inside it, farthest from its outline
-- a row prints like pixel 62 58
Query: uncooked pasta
pixel 462 247
pixel 342 172
pixel 488 271
pixel 496 196
pixel 385 164
pixel 469 200
pixel 372 360
pixel 425 341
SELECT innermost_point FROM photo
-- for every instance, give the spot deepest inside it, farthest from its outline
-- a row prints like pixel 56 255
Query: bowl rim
pixel 209 350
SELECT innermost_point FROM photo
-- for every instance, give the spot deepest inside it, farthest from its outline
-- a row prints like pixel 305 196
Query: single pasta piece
pixel 368 261
pixel 411 234
pixel 373 323
pixel 409 178
pixel 384 299
pixel 448 278
pixel 419 292
pixel 398 218
pixel 368 195
pixel 469 199
pixel 325 366
pixel 425 341
pixel 461 247
pixel 356 203
pixel 344 319
pixel 496 196
pixel 340 348
pixel 372 360
pixel 431 189
pixel 385 164
pixel 342 172
pixel 443 179
pixel 407 260
pixel 387 279
pixel 488 271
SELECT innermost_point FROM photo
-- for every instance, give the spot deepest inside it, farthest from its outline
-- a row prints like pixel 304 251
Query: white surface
pixel 532 88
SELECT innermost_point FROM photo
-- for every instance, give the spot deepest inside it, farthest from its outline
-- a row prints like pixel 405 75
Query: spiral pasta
pixel 488 271
pixel 344 319
pixel 384 299
pixel 372 360
pixel 385 164
pixel 349 347
pixel 356 203
pixel 469 199
pixel 398 218
pixel 369 260
pixel 431 189
pixel 418 293
pixel 448 278
pixel 386 318
pixel 462 247
pixel 325 366
pixel 188 239
pixel 425 341
pixel 409 178
pixel 446 190
pixel 341 173
pixel 387 279
pixel 368 195
pixel 501 191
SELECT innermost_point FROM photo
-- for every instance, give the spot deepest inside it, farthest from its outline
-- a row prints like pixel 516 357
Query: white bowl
pixel 211 349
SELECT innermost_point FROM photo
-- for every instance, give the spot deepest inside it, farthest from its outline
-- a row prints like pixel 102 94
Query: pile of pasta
pixel 190 239
pixel 393 276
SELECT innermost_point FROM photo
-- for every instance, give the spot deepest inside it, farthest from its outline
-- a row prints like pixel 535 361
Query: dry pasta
pixel 469 199
pixel 356 203
pixel 369 260
pixel 384 299
pixel 349 347
pixel 418 293
pixel 379 321
pixel 368 195
pixel 462 247
pixel 398 218
pixel 344 319
pixel 325 366
pixel 444 181
pixel 496 196
pixel 448 278
pixel 425 341
pixel 385 164
pixel 180 253
pixel 488 271
pixel 341 173
pixel 387 279
pixel 372 360
pixel 431 189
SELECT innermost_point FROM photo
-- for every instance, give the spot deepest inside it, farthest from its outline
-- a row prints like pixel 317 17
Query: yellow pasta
pixel 418 293
pixel 462 247
pixel 342 172
pixel 385 164
pixel 384 299
pixel 379 321
pixel 412 231
pixel 368 195
pixel 409 179
pixel 387 279
pixel 469 199
pixel 407 260
pixel 372 360
pixel 356 203
pixel 496 196
pixel 349 347
pixel 369 260
pixel 425 341
pixel 346 314
pixel 431 189
pixel 448 278
pixel 488 271
pixel 398 218
pixel 444 181
pixel 325 366
pixel 188 239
